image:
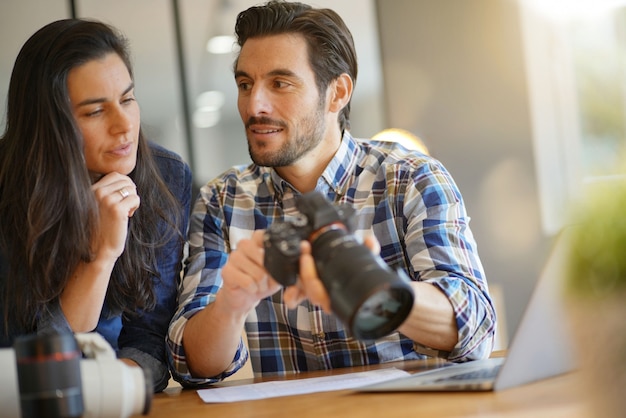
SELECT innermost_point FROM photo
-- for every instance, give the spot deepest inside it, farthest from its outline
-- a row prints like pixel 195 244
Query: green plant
pixel 596 266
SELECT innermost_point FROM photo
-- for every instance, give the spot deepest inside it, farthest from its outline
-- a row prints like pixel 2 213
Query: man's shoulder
pixel 390 153
pixel 239 174
pixel 240 180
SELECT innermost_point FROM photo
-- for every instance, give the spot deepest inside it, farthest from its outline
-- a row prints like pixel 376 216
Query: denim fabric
pixel 142 336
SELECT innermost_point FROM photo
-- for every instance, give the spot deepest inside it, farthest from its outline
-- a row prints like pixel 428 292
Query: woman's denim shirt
pixel 139 337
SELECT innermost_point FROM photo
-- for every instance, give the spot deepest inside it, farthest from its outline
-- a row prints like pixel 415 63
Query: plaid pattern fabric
pixel 406 199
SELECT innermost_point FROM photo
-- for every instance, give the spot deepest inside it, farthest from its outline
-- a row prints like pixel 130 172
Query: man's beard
pixel 310 134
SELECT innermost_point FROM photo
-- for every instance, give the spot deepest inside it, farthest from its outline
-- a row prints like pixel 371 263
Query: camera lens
pixel 382 312
pixel 365 293
pixel 48 370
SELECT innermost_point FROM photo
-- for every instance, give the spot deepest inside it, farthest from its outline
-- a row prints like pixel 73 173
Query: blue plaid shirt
pixel 411 204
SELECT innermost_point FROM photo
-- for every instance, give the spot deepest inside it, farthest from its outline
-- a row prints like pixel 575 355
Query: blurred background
pixel 522 100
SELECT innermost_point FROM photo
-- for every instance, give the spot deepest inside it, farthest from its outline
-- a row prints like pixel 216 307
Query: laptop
pixel 539 349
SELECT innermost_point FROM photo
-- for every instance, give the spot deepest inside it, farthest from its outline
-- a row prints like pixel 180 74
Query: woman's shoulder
pixel 160 152
pixel 174 171
pixel 168 161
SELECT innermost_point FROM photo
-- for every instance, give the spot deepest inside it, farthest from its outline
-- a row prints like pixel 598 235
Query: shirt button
pixel 320 336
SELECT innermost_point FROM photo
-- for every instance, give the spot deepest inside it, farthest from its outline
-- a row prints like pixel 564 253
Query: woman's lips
pixel 123 151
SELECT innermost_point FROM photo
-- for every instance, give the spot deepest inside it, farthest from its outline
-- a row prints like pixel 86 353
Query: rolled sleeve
pixel 202 280
pixel 444 253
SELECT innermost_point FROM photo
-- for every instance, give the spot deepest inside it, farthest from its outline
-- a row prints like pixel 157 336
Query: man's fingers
pixel 372 243
pixel 311 284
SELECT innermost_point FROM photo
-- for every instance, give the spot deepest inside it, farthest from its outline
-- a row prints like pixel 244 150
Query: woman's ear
pixel 341 92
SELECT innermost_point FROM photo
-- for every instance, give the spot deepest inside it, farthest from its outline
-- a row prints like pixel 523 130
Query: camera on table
pixel 67 375
pixel 365 293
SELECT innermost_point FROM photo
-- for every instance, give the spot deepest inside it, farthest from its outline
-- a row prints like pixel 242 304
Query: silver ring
pixel 124 192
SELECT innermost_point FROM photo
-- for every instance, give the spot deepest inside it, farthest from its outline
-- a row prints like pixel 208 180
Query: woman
pixel 93 216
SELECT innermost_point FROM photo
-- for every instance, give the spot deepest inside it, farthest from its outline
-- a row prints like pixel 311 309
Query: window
pixel 575 54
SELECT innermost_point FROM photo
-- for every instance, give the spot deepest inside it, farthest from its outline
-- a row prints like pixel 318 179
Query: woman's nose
pixel 122 121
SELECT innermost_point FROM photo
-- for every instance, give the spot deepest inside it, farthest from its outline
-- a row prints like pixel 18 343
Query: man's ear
pixel 341 92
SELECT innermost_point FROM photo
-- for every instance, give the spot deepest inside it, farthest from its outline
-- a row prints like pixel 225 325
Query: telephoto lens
pixel 49 377
pixel 369 297
pixel 365 293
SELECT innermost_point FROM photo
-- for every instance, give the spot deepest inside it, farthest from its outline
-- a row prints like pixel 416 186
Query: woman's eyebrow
pixel 103 99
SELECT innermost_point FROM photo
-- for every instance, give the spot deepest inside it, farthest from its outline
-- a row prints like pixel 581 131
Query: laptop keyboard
pixel 481 374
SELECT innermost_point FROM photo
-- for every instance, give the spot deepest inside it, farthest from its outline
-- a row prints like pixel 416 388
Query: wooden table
pixel 558 397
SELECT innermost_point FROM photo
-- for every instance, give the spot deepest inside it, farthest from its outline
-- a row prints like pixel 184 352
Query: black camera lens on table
pixel 56 375
pixel 366 294
pixel 48 370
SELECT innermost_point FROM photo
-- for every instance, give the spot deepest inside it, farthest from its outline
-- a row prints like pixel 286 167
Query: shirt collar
pixel 339 171
pixel 337 174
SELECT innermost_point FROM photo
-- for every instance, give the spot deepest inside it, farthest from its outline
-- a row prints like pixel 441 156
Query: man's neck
pixel 305 172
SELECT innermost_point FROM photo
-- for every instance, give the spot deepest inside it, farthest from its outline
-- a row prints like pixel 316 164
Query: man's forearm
pixel 431 322
pixel 210 340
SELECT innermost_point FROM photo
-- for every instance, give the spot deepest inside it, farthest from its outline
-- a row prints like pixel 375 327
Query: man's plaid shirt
pixel 406 199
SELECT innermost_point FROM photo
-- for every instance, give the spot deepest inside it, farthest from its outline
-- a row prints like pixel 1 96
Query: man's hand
pixel 309 285
pixel 246 281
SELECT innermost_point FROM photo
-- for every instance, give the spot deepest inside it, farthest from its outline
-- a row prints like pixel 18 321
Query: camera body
pixel 282 239
pixel 65 375
pixel 370 298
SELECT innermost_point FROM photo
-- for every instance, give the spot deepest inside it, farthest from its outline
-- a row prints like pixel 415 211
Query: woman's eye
pixel 94 113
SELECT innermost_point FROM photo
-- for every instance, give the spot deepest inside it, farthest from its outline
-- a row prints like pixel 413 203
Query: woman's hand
pixel 117 200
pixel 84 294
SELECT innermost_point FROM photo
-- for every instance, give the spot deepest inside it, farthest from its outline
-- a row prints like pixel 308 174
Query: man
pixel 295 75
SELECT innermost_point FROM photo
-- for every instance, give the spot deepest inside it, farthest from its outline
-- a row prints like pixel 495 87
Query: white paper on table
pixel 298 386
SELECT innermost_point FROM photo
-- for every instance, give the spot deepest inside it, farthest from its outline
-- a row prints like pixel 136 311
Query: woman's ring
pixel 124 192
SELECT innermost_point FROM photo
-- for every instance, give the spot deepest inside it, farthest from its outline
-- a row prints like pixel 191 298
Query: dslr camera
pixel 48 375
pixel 366 294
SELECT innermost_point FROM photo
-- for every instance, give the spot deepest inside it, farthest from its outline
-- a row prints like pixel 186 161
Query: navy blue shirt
pixel 139 337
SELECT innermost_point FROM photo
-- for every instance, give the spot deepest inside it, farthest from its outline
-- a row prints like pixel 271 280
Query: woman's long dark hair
pixel 48 212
